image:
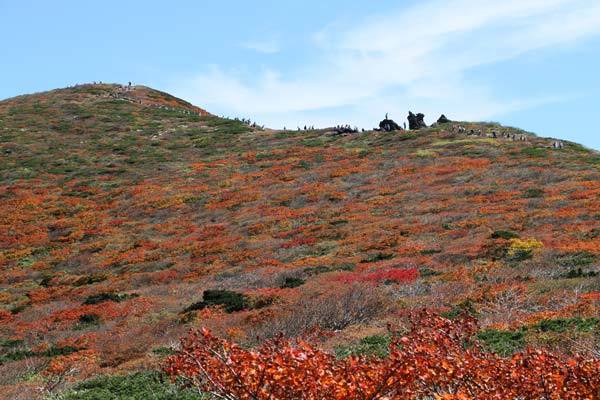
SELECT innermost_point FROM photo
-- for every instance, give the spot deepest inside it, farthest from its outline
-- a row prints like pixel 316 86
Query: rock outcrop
pixel 443 120
pixel 416 121
pixel 388 125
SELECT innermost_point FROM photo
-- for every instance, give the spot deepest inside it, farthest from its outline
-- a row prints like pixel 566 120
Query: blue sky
pixel 534 64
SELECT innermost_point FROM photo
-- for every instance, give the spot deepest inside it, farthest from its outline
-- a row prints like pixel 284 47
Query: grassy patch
pixel 376 345
pixel 568 324
pixel 138 386
pixel 534 152
pixel 425 153
pixel 503 343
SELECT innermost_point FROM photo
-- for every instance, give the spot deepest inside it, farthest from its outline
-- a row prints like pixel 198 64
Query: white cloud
pixel 269 46
pixel 418 57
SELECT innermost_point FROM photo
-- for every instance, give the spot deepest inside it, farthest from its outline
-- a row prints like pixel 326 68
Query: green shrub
pixel 137 386
pixel 46 280
pixel 163 351
pixel 533 193
pixel 503 343
pixel 59 351
pixel 89 319
pixel 427 252
pixel 577 259
pixel 11 343
pixel 23 353
pixel 102 297
pixel 16 355
pixel 231 301
pixel 504 235
pixel 579 273
pixel 292 282
pixel 465 307
pixel 568 324
pixel 304 164
pixel 17 309
pixel 377 257
pixel 520 255
pixel 339 222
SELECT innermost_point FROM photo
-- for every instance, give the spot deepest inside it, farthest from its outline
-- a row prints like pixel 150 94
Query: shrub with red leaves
pixel 438 359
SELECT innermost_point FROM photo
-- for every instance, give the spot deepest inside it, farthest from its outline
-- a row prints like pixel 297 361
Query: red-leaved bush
pixel 437 359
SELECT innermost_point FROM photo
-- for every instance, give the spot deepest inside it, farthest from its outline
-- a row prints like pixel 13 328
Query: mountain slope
pixel 119 207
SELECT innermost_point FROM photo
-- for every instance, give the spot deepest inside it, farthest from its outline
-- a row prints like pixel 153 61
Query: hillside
pixel 119 207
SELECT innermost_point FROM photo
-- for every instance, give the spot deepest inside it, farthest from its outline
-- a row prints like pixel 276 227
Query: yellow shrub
pixel 523 245
pixel 425 153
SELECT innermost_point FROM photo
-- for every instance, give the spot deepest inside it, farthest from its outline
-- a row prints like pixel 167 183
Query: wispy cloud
pixel 268 46
pixel 420 56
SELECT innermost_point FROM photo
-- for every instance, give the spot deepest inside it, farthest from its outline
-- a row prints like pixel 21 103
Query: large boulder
pixel 416 121
pixel 388 125
pixel 443 120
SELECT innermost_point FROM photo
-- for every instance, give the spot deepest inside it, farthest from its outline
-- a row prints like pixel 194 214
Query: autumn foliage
pixel 438 358
pixel 117 215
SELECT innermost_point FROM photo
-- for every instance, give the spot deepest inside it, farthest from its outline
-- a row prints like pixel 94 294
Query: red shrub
pixel 299 242
pixel 432 361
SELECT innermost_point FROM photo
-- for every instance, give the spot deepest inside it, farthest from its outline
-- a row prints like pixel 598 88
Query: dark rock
pixel 416 121
pixel 443 120
pixel 388 125
pixel 345 129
